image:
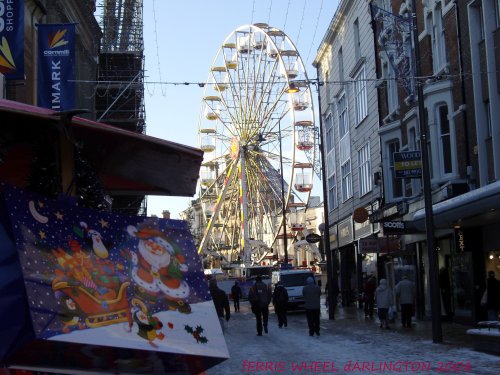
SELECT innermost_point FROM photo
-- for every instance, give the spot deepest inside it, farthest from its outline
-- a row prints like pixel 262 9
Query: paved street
pixel 350 344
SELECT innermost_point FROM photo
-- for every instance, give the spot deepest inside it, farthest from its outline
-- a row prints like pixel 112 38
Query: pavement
pixel 350 343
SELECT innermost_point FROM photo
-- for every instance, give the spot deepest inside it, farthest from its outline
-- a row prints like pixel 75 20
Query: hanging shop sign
pixel 407 164
pixel 106 280
pixel 368 245
pixel 12 39
pixel 389 244
pixel 313 238
pixel 56 66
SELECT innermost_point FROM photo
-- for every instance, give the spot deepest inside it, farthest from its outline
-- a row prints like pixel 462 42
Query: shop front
pixel 468 245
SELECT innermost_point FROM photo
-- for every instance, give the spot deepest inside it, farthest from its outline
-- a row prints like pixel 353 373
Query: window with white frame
pixel 330 162
pixel 345 170
pixel 392 87
pixel 342 116
pixel 487 111
pixel 332 193
pixel 365 170
pixel 445 139
pixel 344 147
pixel 438 40
pixel 497 12
pixel 357 41
pixel 330 145
pixel 340 58
pixel 360 95
pixel 395 188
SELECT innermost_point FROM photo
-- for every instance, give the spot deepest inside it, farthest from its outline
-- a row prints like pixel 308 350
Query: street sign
pixel 313 238
pixel 407 164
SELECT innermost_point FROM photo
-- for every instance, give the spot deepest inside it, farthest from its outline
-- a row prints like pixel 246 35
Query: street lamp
pixel 437 333
pixel 331 262
pixel 283 206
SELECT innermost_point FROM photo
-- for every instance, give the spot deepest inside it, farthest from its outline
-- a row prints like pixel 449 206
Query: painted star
pixel 41 204
pixel 104 223
pixel 42 235
pixel 59 215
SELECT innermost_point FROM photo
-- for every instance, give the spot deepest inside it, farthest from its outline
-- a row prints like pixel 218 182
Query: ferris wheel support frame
pixel 244 208
pixel 208 230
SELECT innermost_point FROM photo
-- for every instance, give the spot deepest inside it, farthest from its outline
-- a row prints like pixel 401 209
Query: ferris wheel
pixel 256 127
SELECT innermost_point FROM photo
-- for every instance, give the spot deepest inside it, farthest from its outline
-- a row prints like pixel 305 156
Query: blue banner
pixel 12 38
pixel 56 66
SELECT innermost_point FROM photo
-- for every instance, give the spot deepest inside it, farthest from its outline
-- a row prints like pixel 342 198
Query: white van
pixel 294 281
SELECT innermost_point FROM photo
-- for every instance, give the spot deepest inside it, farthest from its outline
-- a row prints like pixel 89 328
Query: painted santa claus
pixel 158 267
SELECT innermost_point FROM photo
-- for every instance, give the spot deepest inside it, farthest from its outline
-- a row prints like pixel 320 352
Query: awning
pixel 474 208
pixel 127 162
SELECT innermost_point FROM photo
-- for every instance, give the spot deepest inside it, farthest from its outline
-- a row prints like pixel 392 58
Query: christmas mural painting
pixel 104 279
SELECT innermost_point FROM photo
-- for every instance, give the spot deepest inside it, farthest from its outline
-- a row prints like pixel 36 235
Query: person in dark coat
pixel 369 296
pixel 493 296
pixel 259 297
pixel 221 303
pixel 280 302
pixel 236 293
pixel 312 297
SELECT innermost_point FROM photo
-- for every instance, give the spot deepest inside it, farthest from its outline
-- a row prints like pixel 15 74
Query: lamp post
pixel 437 334
pixel 331 264
pixel 283 206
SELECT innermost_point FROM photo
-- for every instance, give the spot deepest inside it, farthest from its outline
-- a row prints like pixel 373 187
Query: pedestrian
pixel 236 293
pixel 221 303
pixel 492 296
pixel 312 296
pixel 405 297
pixel 280 302
pixel 369 296
pixel 259 297
pixel 384 299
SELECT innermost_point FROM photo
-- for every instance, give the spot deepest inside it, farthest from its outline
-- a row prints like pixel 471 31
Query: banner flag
pixel 56 66
pixel 12 38
pixel 112 280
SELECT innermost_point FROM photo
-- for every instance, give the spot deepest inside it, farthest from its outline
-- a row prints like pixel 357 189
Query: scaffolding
pixel 120 88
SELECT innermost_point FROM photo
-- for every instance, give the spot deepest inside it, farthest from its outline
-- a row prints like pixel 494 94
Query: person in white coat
pixel 384 298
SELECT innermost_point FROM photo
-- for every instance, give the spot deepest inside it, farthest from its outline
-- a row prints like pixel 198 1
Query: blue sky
pixel 182 39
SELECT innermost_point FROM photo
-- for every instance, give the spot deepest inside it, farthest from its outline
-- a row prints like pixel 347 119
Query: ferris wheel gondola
pixel 256 127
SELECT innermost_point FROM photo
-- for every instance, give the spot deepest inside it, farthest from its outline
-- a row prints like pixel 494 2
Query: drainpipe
pixel 461 62
pixel 41 7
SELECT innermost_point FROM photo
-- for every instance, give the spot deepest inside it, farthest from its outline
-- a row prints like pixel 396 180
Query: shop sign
pixel 362 230
pixel 345 232
pixel 407 164
pixel 394 227
pixel 387 212
pixel 460 240
pixel 389 244
pixel 313 238
pixel 333 237
pixel 368 245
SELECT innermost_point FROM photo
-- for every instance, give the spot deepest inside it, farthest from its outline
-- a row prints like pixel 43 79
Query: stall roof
pixel 127 162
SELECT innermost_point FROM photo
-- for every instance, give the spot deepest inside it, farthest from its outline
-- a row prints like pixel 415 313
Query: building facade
pixel 350 120
pixel 369 48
